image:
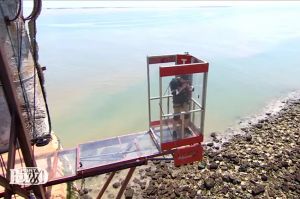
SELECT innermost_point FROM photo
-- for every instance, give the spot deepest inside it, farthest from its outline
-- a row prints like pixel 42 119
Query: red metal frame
pixel 187 149
pixel 188 154
pixel 182 142
pixel 161 59
pixel 183 59
pixel 183 69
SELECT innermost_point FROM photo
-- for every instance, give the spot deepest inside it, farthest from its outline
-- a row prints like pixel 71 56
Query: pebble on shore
pixel 263 163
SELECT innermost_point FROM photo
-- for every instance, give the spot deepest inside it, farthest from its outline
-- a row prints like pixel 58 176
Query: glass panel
pixel 58 165
pixel 181 113
pixel 127 147
pixel 66 163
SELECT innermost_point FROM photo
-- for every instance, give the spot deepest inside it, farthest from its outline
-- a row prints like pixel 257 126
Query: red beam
pixel 182 142
pixel 125 183
pixel 183 59
pixel 183 69
pixel 106 185
pixel 161 59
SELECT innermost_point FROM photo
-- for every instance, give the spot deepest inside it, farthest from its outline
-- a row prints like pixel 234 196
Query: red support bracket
pixel 188 154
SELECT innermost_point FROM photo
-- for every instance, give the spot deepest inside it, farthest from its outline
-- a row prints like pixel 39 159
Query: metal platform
pixel 97 157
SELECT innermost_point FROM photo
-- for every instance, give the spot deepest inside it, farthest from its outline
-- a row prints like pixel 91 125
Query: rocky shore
pixel 262 162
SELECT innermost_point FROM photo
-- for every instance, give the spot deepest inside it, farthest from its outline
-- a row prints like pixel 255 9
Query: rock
pixel 216 147
pixel 226 178
pixel 156 162
pixel 173 196
pixel 258 189
pixel 85 191
pixel 259 126
pixel 297 177
pixel 244 187
pixel 213 166
pixel 192 193
pixel 80 192
pixel 86 197
pixel 264 178
pixel 137 181
pixel 243 168
pixel 177 192
pixel 201 166
pixel 284 164
pixel 225 144
pixel 285 187
pixel 234 180
pixel 224 190
pixel 128 193
pixel 210 144
pixel 211 154
pixel 116 185
pixel 150 173
pixel 151 190
pixel 213 134
pixel 209 183
pixel 148 169
pixel 164 174
pixel 248 138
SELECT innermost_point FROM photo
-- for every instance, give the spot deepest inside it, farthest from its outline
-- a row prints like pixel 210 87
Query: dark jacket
pixel 181 97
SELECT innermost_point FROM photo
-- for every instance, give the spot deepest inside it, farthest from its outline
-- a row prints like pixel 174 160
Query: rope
pixel 2 165
pixel 32 33
pixel 3 162
pixel 18 56
pixel 23 80
pixel 19 65
pixel 21 159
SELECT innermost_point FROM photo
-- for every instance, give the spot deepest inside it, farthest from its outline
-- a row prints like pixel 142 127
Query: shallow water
pixel 96 62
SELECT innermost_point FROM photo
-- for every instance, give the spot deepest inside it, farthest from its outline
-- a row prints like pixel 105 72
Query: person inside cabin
pixel 181 90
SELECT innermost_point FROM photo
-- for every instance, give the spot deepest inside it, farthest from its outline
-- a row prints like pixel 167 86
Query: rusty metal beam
pixel 13 188
pixel 15 108
pixel 106 185
pixel 125 183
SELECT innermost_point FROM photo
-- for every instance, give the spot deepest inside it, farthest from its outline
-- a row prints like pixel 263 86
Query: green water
pixel 96 62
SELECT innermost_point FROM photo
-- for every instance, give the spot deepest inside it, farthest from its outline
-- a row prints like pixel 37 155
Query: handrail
pixel 184 113
pixel 197 103
pixel 165 96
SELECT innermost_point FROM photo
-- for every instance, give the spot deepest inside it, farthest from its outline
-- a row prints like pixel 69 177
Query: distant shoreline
pixel 128 7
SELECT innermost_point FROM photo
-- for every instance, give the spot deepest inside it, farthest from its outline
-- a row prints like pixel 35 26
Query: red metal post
pixel 11 153
pixel 106 185
pixel 125 183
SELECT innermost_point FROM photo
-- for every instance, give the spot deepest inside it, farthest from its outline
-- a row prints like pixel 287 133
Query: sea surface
pixel 96 60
